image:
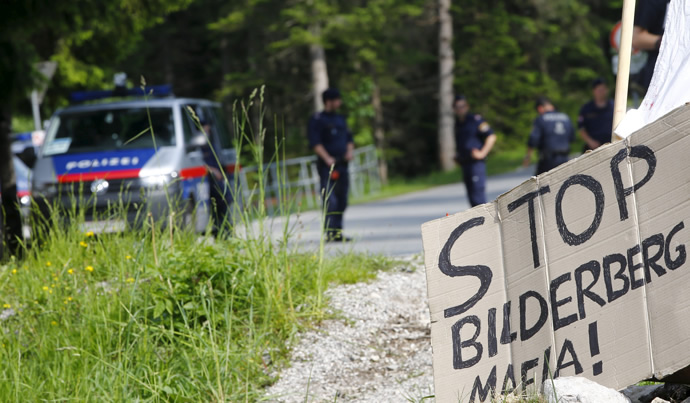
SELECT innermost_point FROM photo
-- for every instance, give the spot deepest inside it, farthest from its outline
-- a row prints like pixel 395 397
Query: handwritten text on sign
pixel 581 271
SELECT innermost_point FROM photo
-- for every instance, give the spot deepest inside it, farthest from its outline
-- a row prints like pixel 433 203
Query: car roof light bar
pixel 158 91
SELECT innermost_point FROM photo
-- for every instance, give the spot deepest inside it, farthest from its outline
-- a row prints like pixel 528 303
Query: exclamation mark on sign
pixel 594 348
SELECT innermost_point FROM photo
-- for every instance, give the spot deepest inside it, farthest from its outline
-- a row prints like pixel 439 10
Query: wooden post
pixel 624 54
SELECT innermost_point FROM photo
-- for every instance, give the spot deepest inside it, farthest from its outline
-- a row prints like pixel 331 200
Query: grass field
pixel 157 314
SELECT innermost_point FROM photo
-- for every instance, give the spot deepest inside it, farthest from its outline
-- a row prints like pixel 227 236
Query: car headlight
pixel 158 182
pixel 25 201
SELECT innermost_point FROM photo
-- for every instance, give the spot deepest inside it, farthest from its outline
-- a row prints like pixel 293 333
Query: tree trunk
pixel 226 69
pixel 11 228
pixel 379 134
pixel 446 138
pixel 319 70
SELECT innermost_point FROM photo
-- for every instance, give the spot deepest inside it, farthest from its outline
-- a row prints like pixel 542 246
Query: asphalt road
pixel 393 226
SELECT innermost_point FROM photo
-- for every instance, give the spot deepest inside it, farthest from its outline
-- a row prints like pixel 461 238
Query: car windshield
pixel 111 129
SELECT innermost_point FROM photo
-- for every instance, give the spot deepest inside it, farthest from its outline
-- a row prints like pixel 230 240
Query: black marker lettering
pixel 595 269
pixel 612 294
pixel 529 199
pixel 598 367
pixel 510 376
pixel 640 151
pixel 650 262
pixel 546 369
pixel 506 336
pixel 484 391
pixel 459 344
pixel 493 340
pixel 672 264
pixel 524 372
pixel 483 273
pixel 593 186
pixel 559 322
pixel 525 333
pixel 633 267
pixel 568 347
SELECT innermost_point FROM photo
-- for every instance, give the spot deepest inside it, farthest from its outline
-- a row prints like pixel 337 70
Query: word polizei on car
pixel 140 154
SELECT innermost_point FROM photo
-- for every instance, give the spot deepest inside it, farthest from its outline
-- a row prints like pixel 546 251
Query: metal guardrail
pixel 299 177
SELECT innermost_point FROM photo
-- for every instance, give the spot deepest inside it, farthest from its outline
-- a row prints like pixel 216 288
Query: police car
pixel 144 155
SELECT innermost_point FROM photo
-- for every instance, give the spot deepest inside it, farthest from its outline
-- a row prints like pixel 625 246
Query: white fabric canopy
pixel 670 86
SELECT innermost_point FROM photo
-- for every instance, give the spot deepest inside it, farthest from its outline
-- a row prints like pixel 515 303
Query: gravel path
pixel 377 350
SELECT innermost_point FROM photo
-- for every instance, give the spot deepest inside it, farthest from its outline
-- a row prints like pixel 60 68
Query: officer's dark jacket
pixel 470 134
pixel 552 132
pixel 597 121
pixel 330 130
pixel 211 151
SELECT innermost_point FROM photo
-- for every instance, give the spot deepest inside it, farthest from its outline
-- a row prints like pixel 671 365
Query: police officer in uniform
pixel 552 133
pixel 650 17
pixel 332 142
pixel 474 139
pixel 219 189
pixel 595 120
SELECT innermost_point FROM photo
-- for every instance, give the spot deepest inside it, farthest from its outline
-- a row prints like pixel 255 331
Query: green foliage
pixel 97 319
pixel 507 53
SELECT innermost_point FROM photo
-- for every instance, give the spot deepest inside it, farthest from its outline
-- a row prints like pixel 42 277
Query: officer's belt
pixel 553 153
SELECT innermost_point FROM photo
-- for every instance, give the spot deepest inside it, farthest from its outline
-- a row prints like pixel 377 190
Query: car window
pixel 111 129
pixel 207 120
pixel 188 126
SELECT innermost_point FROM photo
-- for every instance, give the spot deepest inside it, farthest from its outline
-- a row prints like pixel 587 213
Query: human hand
pixel 216 173
pixel 330 161
pixel 526 161
pixel 594 144
pixel 478 154
pixel 349 155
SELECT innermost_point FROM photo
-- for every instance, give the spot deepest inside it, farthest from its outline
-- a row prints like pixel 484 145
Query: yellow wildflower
pixel 128 257
pixel 50 291
pixel 14 271
pixel 130 280
pixel 70 271
pixel 48 264
pixel 46 288
pixel 89 234
pixel 89 268
pixel 84 244
pixel 7 306
pixel 69 298
pixel 54 323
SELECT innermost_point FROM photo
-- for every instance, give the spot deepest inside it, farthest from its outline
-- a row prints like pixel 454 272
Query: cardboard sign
pixel 580 271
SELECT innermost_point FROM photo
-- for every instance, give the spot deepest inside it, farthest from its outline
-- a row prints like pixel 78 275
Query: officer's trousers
pixel 220 199
pixel 474 176
pixel 548 163
pixel 334 192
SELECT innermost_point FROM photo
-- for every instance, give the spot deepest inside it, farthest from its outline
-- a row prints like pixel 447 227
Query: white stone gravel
pixel 377 350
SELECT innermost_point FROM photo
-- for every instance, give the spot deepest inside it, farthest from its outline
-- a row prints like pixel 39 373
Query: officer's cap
pixel 460 97
pixel 329 94
pixel 598 81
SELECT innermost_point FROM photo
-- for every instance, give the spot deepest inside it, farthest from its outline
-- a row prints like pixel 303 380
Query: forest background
pixel 382 54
